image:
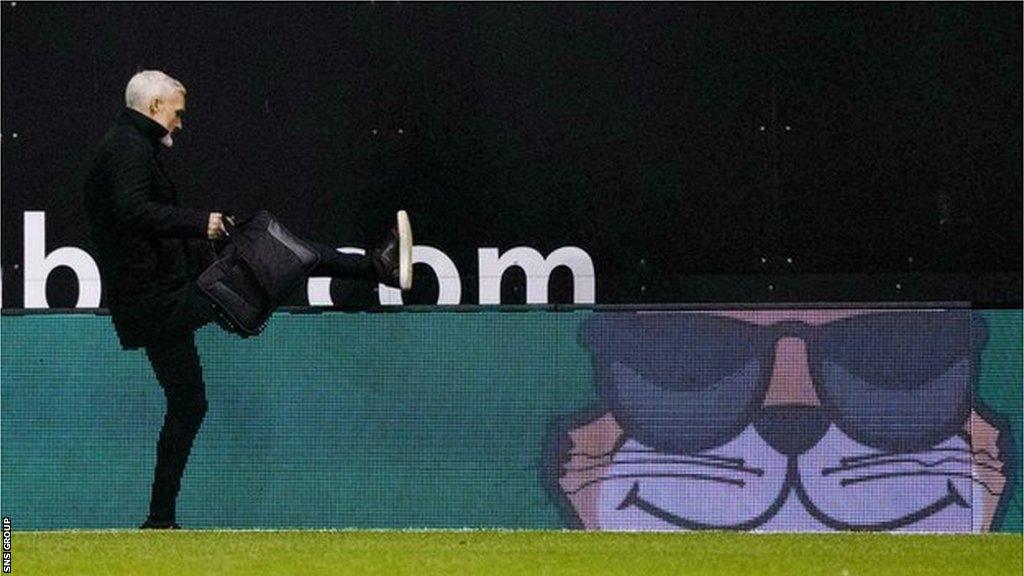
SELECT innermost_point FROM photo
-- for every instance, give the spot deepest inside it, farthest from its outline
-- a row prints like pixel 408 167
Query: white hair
pixel 147 85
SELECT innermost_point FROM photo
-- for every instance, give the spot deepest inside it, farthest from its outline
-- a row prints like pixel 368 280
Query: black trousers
pixel 179 371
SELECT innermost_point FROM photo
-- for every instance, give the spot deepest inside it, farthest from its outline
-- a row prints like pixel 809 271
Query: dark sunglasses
pixel 685 382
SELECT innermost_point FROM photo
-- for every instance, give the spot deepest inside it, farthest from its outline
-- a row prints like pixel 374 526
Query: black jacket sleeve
pixel 200 254
pixel 131 178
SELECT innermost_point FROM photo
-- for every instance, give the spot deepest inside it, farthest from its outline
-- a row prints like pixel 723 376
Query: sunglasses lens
pixel 677 382
pixel 685 382
pixel 899 381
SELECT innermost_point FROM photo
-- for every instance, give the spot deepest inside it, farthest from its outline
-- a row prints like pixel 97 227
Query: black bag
pixel 259 264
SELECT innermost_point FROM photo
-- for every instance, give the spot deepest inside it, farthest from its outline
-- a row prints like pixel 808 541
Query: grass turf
pixel 495 552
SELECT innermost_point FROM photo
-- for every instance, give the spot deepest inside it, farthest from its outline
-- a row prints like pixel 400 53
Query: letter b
pixel 39 264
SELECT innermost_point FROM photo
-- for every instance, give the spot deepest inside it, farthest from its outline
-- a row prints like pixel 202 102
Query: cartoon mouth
pixel 793 484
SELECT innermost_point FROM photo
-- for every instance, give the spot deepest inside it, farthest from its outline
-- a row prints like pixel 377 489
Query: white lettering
pixel 538 271
pixel 492 265
pixel 39 265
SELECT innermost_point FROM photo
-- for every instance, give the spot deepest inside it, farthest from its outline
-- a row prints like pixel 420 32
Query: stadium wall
pixel 592 419
pixel 709 155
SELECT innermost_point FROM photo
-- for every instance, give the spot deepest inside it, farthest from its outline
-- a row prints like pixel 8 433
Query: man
pixel 150 249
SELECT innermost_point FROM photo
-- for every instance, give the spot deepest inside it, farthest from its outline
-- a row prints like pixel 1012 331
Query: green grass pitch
pixel 225 553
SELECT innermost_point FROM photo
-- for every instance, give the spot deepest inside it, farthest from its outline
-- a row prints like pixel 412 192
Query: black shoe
pixel 159 525
pixel 393 261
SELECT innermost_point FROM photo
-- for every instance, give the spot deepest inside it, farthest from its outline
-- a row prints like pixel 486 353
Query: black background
pixel 631 130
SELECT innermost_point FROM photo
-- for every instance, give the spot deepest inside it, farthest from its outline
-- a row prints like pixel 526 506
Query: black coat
pixel 149 248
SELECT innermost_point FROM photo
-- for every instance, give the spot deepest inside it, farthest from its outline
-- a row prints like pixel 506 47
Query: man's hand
pixel 215 228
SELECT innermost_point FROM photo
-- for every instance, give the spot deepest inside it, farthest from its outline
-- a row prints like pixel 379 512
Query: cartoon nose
pixel 791 430
pixel 791 382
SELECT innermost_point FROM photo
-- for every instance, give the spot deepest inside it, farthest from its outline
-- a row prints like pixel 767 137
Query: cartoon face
pixel 790 420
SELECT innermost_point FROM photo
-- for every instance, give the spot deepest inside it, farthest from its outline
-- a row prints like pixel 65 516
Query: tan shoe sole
pixel 404 250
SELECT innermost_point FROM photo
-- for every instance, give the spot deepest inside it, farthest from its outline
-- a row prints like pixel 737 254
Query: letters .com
pixel 492 266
